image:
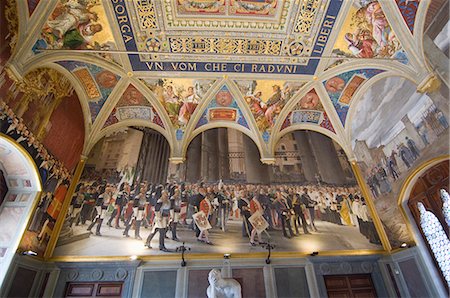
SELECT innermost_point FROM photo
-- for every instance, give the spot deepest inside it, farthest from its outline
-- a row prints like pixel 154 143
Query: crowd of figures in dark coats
pixel 292 210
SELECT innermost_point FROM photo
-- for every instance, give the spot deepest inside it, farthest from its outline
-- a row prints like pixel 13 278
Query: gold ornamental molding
pixel 430 84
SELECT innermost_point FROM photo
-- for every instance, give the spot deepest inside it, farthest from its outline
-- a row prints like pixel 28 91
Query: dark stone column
pixel 309 163
pixel 256 171
pixel 224 162
pixel 193 159
pixel 153 159
pixel 328 163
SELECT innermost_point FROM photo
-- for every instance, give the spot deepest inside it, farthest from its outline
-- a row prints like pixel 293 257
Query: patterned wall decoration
pixel 366 33
pixel 96 81
pixel 32 4
pixel 266 98
pixel 180 97
pixel 408 9
pixel 309 110
pixel 341 88
pixel 271 14
pixel 133 105
pixel 223 107
pixel 166 43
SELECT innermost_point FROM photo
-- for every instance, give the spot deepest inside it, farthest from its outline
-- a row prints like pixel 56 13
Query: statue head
pixel 214 275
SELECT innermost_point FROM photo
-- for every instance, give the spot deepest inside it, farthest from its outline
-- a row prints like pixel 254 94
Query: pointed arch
pixel 128 123
pixel 17 165
pixel 222 124
pixel 408 217
pixel 358 96
pixel 314 128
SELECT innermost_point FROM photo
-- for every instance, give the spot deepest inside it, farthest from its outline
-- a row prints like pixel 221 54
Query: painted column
pixel 412 132
pixel 329 167
pixel 194 159
pixel 376 219
pixel 65 207
pixel 224 163
pixel 309 163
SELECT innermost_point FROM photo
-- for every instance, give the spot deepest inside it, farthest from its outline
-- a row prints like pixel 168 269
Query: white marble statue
pixel 220 287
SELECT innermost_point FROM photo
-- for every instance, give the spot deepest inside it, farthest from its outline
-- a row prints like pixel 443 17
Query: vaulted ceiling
pixel 184 66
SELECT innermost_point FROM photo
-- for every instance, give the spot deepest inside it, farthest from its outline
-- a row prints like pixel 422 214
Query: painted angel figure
pixel 190 102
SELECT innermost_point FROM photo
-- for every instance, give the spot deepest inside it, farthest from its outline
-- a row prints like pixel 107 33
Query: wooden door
pixel 350 286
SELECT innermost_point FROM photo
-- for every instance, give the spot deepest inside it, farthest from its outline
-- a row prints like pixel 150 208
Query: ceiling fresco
pixel 96 81
pixel 223 107
pixel 266 98
pixel 179 97
pixel 367 33
pixel 341 88
pixel 309 110
pixel 133 105
pixel 164 48
pixel 408 9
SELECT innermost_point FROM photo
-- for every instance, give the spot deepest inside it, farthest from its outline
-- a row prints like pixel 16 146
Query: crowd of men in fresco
pixel 407 151
pixel 290 209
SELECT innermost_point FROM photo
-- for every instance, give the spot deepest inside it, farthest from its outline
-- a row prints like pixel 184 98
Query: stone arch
pixel 314 128
pixel 358 96
pixel 223 124
pixel 402 201
pixel 128 123
pixel 24 188
pixel 252 129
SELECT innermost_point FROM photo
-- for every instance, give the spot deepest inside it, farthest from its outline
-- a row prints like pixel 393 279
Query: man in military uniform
pixel 162 212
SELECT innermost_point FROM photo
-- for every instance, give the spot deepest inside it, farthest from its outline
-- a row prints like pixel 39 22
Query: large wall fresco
pixel 366 33
pixel 114 216
pixel 394 131
pixel 266 99
pixel 309 110
pixel 133 105
pixel 96 81
pixel 223 107
pixel 179 97
pixel 342 87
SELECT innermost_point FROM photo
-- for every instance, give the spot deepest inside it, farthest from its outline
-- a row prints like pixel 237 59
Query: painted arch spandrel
pixel 179 97
pixel 394 130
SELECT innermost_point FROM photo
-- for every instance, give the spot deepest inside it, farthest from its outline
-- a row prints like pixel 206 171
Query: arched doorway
pixel 23 188
pixel 426 205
